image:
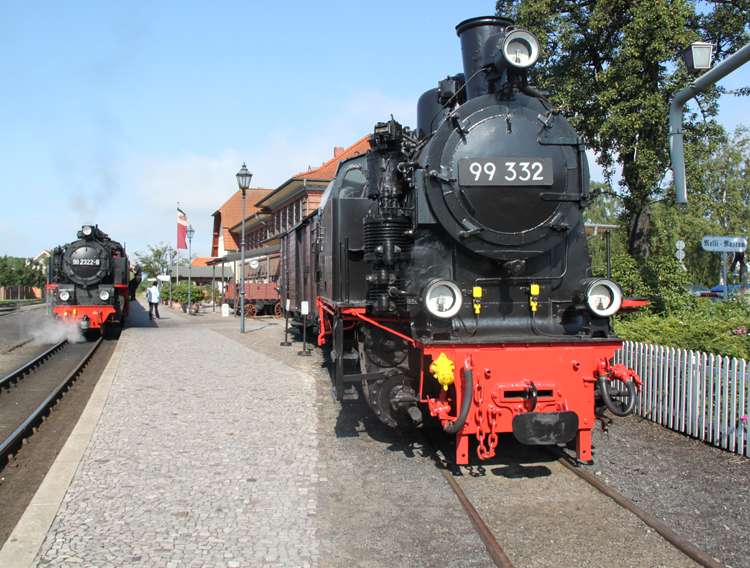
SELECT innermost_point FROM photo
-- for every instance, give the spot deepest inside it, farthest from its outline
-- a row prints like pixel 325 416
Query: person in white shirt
pixel 153 301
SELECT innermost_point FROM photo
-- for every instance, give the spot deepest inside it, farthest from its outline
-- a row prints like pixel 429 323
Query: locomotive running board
pixel 545 428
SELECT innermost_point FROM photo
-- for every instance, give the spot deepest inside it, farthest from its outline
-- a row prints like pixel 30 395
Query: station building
pixel 268 214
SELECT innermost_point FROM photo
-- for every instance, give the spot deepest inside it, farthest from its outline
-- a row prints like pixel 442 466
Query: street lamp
pixel 190 233
pixel 697 57
pixel 243 180
pixel 169 272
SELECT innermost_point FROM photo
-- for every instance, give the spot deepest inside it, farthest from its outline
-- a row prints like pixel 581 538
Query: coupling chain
pixel 486 421
pixel 478 417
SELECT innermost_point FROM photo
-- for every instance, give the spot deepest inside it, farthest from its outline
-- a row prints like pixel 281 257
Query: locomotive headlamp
pixel 519 49
pixel 64 295
pixel 602 297
pixel 443 298
pixel 87 230
pixel 104 295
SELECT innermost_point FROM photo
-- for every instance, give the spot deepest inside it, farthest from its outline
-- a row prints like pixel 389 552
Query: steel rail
pixel 669 535
pixel 28 424
pixel 494 549
pixel 499 556
pixel 18 373
pixel 16 310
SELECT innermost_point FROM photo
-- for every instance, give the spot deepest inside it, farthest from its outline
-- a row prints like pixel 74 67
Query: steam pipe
pixel 676 148
pixel 630 385
pixel 455 427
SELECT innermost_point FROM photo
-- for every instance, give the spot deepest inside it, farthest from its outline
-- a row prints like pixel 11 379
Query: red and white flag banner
pixel 182 226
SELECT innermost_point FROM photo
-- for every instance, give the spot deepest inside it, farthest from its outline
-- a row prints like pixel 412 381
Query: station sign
pixel 724 244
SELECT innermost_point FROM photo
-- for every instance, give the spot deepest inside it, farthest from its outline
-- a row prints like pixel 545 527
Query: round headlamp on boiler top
pixel 515 47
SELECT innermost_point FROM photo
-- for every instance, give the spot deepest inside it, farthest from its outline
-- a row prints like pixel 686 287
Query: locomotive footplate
pixel 545 428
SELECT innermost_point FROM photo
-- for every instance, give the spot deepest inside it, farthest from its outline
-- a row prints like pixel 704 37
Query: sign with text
pixel 724 244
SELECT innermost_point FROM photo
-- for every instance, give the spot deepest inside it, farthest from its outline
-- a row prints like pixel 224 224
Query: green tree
pixel 7 275
pixel 606 205
pixel 154 261
pixel 21 272
pixel 612 67
pixel 605 209
pixel 719 204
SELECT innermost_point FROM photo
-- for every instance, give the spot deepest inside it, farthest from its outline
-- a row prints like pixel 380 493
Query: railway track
pixel 6 311
pixel 491 536
pixel 28 393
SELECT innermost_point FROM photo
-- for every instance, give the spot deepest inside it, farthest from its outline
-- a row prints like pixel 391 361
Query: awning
pixel 249 255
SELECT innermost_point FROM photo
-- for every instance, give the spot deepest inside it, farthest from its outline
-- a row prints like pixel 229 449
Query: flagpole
pixel 177 279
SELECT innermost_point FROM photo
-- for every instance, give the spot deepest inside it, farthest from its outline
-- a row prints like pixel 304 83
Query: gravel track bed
pixel 23 324
pixel 381 501
pixel 700 491
pixel 380 490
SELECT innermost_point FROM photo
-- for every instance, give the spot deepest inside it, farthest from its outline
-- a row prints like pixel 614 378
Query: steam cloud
pixel 51 332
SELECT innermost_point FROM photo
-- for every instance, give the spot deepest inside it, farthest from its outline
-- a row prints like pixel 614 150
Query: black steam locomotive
pixel 89 281
pixel 450 264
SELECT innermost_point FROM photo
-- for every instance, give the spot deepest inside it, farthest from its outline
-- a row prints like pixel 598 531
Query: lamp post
pixel 169 272
pixel 243 180
pixel 190 233
pixel 695 62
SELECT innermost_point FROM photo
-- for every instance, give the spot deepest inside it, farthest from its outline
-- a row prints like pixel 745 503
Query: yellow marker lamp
pixel 477 293
pixel 534 299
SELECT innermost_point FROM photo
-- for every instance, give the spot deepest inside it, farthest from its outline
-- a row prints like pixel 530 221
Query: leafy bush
pixel 627 273
pixel 180 293
pixel 719 327
pixel 675 318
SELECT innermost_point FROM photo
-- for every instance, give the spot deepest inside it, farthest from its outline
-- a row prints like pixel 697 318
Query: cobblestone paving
pixel 205 455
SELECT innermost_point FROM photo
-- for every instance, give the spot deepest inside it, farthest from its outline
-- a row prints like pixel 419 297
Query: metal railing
pixel 698 394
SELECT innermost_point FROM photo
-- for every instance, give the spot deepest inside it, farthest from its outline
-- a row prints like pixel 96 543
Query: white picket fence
pixel 695 393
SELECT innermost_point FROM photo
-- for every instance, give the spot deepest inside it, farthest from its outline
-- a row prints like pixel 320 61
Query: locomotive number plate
pixel 85 261
pixel 505 171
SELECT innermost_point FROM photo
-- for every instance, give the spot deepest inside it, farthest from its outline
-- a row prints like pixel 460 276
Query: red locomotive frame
pixel 97 317
pixel 508 381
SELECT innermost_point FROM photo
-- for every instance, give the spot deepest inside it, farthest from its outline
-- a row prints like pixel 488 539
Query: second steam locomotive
pixel 450 264
pixel 89 281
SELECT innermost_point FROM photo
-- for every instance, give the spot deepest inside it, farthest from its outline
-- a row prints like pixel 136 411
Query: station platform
pixel 197 448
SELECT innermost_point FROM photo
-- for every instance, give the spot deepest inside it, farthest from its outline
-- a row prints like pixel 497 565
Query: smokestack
pixel 474 33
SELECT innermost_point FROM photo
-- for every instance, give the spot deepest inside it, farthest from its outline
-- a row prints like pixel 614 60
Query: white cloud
pixel 203 183
pixel 338 122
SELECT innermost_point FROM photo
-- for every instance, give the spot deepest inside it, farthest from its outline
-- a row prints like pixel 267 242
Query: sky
pixel 113 112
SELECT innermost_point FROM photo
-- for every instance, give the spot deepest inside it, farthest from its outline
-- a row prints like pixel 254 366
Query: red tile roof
pixel 328 170
pixel 201 261
pixel 231 213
